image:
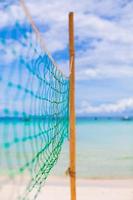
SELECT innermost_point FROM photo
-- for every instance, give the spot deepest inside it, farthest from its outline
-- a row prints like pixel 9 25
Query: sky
pixel 103 44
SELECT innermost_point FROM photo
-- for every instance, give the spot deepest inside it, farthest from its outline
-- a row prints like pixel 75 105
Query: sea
pixel 104 149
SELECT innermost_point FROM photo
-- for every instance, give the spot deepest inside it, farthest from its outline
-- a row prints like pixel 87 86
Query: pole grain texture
pixel 72 108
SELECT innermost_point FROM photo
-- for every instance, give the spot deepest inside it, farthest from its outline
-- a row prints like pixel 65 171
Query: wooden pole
pixel 72 108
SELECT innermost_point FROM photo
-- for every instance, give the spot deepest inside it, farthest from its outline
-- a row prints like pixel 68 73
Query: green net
pixel 34 102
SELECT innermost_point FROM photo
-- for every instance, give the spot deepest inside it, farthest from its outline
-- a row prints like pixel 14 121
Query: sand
pixel 58 189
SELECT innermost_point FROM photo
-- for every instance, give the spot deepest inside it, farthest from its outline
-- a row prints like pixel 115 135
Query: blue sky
pixel 104 49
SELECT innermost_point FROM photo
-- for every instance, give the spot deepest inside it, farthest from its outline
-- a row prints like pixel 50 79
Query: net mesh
pixel 34 102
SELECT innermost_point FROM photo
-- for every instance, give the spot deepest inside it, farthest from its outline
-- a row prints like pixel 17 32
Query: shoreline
pixel 82 181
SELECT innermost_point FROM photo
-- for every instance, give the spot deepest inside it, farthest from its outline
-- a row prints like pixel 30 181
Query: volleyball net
pixel 34 101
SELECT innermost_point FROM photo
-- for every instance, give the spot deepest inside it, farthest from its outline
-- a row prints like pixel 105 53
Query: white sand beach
pixel 58 189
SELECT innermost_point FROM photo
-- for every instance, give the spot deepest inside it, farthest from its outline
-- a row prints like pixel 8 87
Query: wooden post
pixel 72 109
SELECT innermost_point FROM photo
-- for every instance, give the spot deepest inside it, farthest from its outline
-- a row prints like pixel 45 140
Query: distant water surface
pixel 104 149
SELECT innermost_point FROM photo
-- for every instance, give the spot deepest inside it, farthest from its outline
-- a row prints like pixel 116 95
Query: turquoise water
pixel 27 145
pixel 104 149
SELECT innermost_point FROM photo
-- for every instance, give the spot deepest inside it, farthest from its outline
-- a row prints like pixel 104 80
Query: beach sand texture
pixel 89 190
pixel 58 189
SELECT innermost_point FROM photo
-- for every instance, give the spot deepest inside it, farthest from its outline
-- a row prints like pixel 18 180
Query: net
pixel 34 102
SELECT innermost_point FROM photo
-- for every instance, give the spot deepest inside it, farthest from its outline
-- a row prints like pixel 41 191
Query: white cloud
pixel 88 21
pixel 112 56
pixel 94 26
pixel 104 72
pixel 11 14
pixel 118 107
pixel 110 23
